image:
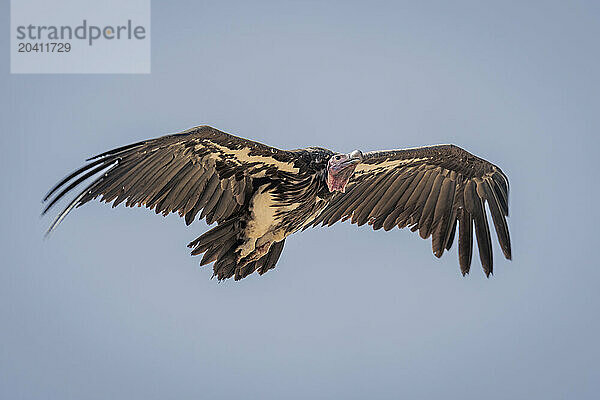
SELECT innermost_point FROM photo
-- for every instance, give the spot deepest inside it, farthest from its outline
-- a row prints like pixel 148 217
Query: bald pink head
pixel 340 169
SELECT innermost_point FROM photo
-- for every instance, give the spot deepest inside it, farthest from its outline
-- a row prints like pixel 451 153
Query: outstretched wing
pixel 429 189
pixel 199 169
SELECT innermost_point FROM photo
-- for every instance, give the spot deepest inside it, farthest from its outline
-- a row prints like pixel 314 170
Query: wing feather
pixel 416 202
pixel 391 213
pixel 361 214
pixel 426 218
pixel 441 217
pixel 465 241
pixel 391 191
pixel 389 203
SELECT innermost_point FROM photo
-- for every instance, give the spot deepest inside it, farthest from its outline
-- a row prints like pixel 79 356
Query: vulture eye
pixel 338 157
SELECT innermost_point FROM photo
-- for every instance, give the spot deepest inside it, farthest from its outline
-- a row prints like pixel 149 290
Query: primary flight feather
pixel 259 195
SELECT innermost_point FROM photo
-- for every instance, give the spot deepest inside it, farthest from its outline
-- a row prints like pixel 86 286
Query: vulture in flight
pixel 259 195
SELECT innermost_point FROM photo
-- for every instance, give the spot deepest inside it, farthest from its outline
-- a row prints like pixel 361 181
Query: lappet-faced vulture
pixel 259 195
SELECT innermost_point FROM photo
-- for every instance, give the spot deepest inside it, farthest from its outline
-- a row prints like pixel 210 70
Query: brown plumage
pixel 259 195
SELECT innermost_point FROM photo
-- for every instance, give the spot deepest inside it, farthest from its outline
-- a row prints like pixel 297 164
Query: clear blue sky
pixel 113 306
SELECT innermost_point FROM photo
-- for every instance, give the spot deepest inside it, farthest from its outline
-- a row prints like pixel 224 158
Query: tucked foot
pixel 257 254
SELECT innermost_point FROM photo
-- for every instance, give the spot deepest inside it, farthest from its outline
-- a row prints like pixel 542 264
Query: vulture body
pixel 258 195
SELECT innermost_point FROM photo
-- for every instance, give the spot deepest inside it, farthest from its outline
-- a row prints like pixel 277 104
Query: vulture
pixel 259 195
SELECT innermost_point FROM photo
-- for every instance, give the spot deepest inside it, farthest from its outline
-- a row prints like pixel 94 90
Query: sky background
pixel 113 306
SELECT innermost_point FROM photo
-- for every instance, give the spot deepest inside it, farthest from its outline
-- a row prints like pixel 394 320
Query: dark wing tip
pixel 118 150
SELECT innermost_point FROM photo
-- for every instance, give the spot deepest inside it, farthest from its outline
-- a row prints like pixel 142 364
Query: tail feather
pixel 272 257
pixel 263 264
pixel 244 271
pixel 224 268
pixel 214 237
pixel 220 245
pixel 210 255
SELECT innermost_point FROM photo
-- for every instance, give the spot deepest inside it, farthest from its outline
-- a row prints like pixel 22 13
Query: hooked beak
pixel 356 156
